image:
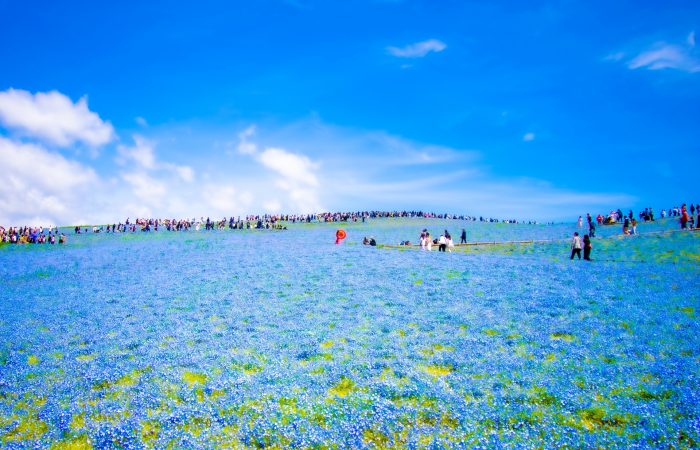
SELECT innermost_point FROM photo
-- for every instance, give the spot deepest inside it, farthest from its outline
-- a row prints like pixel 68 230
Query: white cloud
pixel 291 166
pixel 142 154
pixel 403 152
pixel 691 39
pixel 273 206
pixel 615 56
pixel 667 56
pixel 529 137
pixel 244 146
pixel 184 172
pixel 141 121
pixel 296 173
pixel 226 199
pixel 53 118
pixel 417 50
pixel 149 189
pixel 40 187
pixel 298 177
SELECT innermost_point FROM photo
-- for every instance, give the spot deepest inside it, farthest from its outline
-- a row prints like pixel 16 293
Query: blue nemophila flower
pixel 236 344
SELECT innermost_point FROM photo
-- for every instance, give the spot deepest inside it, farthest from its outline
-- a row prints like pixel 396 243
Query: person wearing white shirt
pixel 576 246
pixel 442 243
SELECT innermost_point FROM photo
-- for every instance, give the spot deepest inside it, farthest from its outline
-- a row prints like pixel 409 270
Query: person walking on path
pixel 463 237
pixel 576 246
pixel 587 246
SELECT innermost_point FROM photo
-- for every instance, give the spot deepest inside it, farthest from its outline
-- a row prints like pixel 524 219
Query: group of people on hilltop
pixel 148 225
pixel 677 211
pixel 613 217
pixel 688 217
pixel 689 221
pixel 265 221
pixel 31 235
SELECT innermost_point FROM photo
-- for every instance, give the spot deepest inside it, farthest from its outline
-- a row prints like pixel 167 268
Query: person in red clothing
pixel 684 217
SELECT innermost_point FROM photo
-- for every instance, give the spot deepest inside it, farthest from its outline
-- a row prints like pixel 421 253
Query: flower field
pixel 235 339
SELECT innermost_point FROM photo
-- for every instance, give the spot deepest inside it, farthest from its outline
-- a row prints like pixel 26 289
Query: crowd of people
pixel 249 222
pixel 32 235
pixel 685 214
pixel 147 225
pixel 688 217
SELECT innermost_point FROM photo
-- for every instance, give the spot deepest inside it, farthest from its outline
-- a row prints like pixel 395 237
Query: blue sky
pixel 541 111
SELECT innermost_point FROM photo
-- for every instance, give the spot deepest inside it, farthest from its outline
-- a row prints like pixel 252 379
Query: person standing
pixel 591 228
pixel 576 246
pixel 684 217
pixel 580 222
pixel 463 237
pixel 442 243
pixel 587 246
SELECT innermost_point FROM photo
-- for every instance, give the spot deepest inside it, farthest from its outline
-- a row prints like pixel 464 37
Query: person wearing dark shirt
pixel 587 246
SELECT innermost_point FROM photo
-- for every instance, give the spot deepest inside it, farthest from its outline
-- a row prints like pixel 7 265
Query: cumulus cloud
pixel 53 118
pixel 417 50
pixel 142 155
pixel 295 173
pixel 291 166
pixel 297 177
pixel 226 199
pixel 146 187
pixel 38 186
